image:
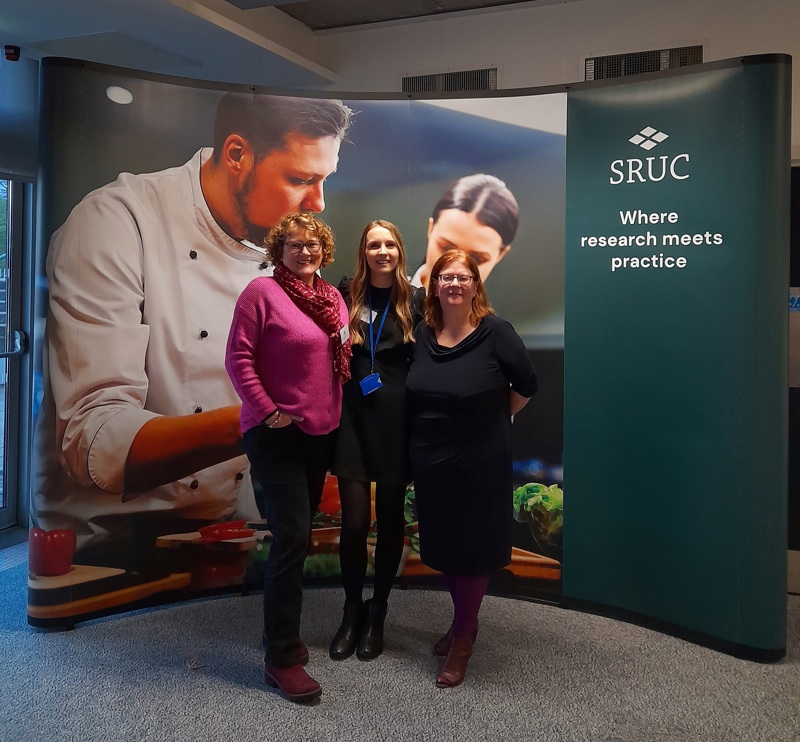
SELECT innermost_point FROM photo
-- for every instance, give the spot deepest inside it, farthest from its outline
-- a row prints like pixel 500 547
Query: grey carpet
pixel 194 672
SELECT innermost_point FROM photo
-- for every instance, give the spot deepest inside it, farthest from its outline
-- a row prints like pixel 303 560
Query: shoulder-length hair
pixel 400 297
pixel 279 233
pixel 480 302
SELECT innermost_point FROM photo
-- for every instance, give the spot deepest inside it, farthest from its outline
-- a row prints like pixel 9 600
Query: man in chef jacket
pixel 139 429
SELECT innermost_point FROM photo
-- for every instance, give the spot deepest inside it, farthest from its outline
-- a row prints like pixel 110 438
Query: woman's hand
pixel 280 419
pixel 516 402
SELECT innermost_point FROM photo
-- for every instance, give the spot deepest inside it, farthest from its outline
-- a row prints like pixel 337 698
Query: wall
pixel 531 44
pixel 19 118
pixel 536 45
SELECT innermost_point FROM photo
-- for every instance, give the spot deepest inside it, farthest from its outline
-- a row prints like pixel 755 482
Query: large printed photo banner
pixel 675 356
pixel 653 307
pixel 135 309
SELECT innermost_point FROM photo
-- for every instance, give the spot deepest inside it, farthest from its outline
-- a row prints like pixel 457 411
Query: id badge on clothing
pixel 370 384
pixel 368 315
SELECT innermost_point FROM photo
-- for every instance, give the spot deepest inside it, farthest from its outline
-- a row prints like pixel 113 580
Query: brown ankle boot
pixel 455 665
pixel 442 646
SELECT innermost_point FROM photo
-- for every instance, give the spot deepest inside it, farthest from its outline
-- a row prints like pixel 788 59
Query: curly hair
pixel 401 288
pixel 480 302
pixel 276 239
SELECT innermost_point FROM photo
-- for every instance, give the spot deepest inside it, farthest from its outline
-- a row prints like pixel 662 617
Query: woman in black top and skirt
pixel 471 374
pixel 372 444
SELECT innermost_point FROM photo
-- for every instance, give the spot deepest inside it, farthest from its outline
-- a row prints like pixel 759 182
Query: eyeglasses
pixel 461 278
pixel 295 248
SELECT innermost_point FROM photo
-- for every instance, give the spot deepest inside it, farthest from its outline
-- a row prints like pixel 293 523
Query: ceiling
pixel 320 15
pixel 253 42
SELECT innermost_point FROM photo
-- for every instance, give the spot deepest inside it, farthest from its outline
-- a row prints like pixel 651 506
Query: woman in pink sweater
pixel 288 355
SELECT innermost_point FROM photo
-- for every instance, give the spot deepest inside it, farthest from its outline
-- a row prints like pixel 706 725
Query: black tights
pixel 356 518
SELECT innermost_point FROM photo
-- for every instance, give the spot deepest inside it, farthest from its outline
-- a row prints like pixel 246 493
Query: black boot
pixel 344 643
pixel 370 643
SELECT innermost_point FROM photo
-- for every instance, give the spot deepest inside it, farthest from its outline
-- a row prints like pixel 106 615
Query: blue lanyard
pixel 373 342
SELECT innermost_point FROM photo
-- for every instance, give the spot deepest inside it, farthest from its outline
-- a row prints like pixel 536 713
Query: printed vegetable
pixel 50 553
pixel 542 507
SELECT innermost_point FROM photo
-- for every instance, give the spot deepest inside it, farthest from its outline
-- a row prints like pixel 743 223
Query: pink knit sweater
pixel 278 357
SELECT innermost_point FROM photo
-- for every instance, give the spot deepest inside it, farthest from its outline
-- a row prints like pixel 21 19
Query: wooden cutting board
pixel 523 564
pixel 193 540
pixel 78 574
pixel 105 598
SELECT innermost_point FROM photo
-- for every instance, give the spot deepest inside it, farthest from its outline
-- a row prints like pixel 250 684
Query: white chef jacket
pixel 142 285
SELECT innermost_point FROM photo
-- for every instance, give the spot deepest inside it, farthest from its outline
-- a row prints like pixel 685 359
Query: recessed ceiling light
pixel 119 95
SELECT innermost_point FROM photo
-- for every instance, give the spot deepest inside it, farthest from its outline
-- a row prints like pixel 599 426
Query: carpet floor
pixel 193 671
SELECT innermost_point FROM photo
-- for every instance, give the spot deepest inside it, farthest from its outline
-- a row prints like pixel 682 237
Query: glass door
pixel 15 204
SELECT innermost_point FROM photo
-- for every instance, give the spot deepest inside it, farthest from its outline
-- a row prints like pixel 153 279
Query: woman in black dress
pixel 471 374
pixel 372 444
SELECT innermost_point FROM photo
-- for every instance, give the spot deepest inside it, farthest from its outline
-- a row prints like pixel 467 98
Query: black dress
pixel 372 442
pixel 461 444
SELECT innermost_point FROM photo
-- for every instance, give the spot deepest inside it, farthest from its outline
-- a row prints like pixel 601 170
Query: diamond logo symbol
pixel 648 138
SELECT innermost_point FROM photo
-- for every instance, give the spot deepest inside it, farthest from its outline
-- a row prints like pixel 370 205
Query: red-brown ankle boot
pixel 293 683
pixel 455 665
pixel 442 646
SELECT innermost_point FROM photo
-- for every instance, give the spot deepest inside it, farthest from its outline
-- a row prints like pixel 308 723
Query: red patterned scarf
pixel 321 303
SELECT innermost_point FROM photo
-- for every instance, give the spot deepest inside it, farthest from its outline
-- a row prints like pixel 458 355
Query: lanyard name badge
pixel 372 382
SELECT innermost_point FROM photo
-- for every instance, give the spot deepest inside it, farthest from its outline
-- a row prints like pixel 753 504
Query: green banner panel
pixel 675 350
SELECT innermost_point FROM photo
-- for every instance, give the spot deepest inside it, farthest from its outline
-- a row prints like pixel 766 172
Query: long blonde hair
pixel 400 297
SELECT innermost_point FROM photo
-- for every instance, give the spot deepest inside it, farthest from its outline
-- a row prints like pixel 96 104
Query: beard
pixel 251 232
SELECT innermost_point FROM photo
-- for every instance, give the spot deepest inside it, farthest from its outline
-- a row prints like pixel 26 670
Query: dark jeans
pixel 290 466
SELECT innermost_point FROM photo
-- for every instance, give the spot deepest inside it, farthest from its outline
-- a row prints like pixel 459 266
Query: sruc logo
pixel 651 169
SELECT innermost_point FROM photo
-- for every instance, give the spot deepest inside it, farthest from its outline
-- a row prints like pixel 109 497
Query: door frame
pixel 20 378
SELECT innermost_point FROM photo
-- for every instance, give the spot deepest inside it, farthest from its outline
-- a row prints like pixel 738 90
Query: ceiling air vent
pixel 452 81
pixel 635 63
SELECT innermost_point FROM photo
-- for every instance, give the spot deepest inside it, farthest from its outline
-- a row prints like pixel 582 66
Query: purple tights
pixel 467 592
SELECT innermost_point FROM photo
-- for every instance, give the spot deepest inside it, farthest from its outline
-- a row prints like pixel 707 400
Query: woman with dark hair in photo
pixel 288 355
pixel 471 374
pixel 477 214
pixel 372 443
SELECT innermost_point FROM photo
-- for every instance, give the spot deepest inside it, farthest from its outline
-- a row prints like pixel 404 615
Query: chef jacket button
pixel 203 334
pixel 263 266
pixel 195 484
pixel 239 476
pixel 198 409
pixel 192 254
